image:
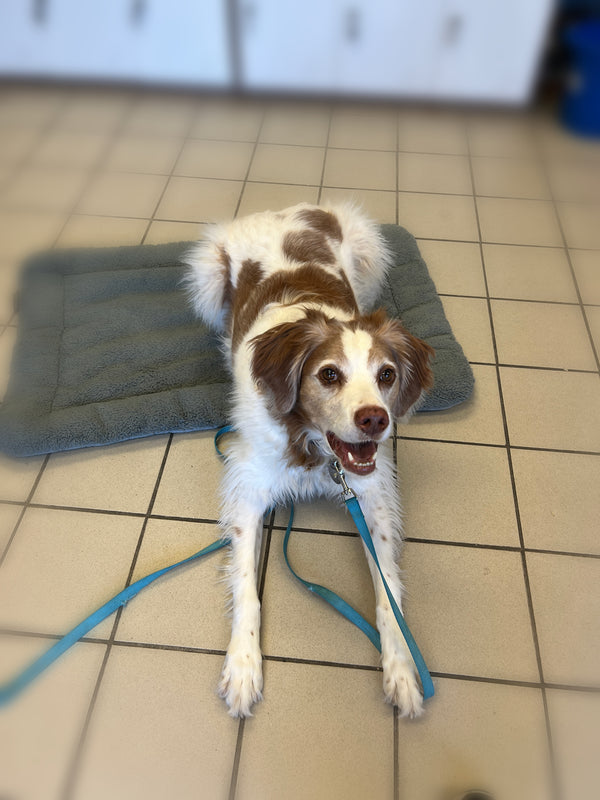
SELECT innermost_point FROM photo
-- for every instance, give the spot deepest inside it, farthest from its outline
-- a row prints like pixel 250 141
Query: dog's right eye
pixel 328 375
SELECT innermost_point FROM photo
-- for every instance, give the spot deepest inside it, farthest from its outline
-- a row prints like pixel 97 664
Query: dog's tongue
pixel 355 457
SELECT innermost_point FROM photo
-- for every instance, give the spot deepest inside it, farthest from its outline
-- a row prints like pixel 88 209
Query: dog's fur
pixel 316 376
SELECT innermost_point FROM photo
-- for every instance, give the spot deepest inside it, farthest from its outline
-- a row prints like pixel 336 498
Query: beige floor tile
pixel 558 498
pixel 187 607
pixel 118 478
pixel 470 322
pixel 24 232
pixel 478 419
pixel 84 230
pixel 16 144
pixel 44 188
pixel 558 143
pixel 454 492
pixel 296 624
pixel 380 206
pixel 575 720
pixel 43 725
pixel 577 181
pixel 498 134
pixel 322 714
pixel 7 343
pixel 162 231
pixel 468 611
pixel 273 196
pixel 9 516
pixel 541 335
pixel 580 224
pixel 505 221
pixel 528 273
pixel 433 216
pixel 178 740
pixel 360 169
pixel 146 154
pixel 62 566
pixel 9 282
pixel 17 476
pixel 236 120
pixel 96 111
pixel 62 148
pixel 279 163
pixel 455 267
pixel 122 195
pixel 427 172
pixel 586 265
pixel 318 515
pixel 550 409
pixel 199 200
pixel 166 115
pixel 366 129
pixel 593 316
pixel 296 124
pixel 190 483
pixel 212 159
pixel 476 735
pixel 508 177
pixel 30 108
pixel 431 130
pixel 566 605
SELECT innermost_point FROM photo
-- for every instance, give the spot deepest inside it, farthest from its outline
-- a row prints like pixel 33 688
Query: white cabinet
pixel 436 49
pixel 181 41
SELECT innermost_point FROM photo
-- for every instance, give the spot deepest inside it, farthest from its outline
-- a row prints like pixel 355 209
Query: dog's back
pixel 331 244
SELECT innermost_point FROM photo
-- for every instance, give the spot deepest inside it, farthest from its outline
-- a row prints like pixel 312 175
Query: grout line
pixel 325 151
pixel 246 179
pixel 27 504
pixel 553 775
pixel 73 766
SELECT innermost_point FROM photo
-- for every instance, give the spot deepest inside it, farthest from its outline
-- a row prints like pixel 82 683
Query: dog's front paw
pixel 241 679
pixel 401 686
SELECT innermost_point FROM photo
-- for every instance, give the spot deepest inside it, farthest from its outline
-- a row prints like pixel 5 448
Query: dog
pixel 317 375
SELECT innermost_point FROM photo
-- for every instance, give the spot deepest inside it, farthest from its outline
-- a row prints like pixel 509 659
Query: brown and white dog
pixel 316 377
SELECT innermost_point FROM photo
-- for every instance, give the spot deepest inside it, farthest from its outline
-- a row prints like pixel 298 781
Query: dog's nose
pixel 373 420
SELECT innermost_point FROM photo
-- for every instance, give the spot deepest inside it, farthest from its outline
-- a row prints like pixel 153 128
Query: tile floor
pixel 501 493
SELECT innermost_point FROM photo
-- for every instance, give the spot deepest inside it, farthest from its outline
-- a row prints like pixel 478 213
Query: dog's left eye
pixel 328 375
pixel 387 375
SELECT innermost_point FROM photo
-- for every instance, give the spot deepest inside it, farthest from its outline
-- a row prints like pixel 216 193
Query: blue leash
pixel 11 689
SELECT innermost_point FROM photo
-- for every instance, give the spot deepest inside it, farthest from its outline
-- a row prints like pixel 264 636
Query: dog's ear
pixel 412 357
pixel 280 354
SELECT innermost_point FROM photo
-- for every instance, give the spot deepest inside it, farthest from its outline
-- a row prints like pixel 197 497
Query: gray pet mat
pixel 108 350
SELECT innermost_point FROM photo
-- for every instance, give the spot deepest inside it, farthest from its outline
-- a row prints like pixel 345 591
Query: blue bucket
pixel 581 103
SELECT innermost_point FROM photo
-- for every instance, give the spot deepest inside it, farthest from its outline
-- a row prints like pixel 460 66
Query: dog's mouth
pixel 356 457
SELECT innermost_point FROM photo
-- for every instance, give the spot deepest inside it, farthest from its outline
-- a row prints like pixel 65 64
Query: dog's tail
pixel 208 280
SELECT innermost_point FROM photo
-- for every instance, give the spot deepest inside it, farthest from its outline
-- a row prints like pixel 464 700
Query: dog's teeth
pixel 350 457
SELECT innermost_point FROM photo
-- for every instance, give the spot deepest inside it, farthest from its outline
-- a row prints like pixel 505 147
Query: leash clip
pixel 336 471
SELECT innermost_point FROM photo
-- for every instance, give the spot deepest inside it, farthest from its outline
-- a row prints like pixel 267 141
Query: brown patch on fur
pixel 249 278
pixel 306 284
pixel 280 357
pixel 322 221
pixel 410 355
pixel 308 246
pixel 225 261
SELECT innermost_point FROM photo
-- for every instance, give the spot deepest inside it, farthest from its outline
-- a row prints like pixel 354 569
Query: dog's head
pixel 339 385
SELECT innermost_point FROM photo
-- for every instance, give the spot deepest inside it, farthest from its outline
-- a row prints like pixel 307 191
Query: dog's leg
pixel 400 681
pixel 241 678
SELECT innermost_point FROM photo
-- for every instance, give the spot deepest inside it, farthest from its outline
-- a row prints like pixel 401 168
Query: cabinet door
pixel 285 44
pixel 387 46
pixel 490 50
pixel 180 41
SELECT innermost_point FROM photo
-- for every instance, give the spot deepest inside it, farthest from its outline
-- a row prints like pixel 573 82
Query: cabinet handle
pixel 453 28
pixel 39 12
pixel 352 24
pixel 139 9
